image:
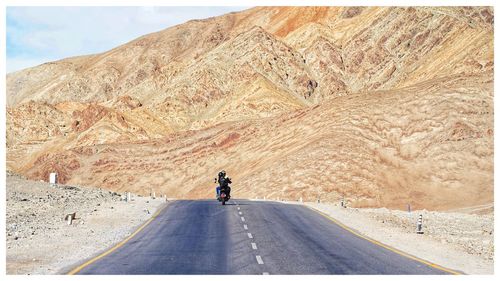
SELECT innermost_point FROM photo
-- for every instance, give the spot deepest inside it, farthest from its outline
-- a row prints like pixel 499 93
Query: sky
pixel 36 35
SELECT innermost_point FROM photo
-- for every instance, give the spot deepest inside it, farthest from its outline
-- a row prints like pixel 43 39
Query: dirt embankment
pixel 39 241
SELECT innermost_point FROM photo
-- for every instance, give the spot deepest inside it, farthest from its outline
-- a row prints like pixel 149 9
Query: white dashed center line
pixel 249 235
pixel 240 213
pixel 242 219
pixel 254 246
pixel 245 227
pixel 259 260
pixel 238 208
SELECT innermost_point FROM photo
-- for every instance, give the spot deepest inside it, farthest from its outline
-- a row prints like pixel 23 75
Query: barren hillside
pixel 385 106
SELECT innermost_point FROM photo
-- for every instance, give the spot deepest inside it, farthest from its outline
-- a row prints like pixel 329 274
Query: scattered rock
pixel 38 231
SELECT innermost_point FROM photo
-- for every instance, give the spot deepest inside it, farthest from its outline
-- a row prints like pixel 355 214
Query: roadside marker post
pixel 419 225
pixel 53 179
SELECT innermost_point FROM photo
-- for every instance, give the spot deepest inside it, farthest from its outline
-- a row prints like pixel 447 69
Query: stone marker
pixel 70 217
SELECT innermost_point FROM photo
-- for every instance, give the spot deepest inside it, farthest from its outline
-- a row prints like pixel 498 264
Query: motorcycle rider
pixel 224 184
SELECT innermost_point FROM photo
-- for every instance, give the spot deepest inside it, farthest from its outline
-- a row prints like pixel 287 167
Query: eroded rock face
pixel 35 122
pixel 383 105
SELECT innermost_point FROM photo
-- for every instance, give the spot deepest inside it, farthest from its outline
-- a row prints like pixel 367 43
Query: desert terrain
pixel 383 106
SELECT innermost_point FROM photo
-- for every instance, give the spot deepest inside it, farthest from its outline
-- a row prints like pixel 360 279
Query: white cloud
pixel 36 34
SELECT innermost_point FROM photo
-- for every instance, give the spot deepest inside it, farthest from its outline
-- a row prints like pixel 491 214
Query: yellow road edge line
pixel 386 246
pixel 89 262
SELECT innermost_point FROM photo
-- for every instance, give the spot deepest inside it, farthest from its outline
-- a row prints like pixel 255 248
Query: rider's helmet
pixel 223 173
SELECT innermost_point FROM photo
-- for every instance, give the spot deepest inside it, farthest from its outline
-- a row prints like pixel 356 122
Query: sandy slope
pixel 429 145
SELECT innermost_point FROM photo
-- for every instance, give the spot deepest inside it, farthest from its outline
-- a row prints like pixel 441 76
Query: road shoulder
pixel 425 246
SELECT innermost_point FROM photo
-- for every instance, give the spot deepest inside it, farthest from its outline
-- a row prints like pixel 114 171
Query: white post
pixel 70 220
pixel 53 178
pixel 300 199
pixel 154 195
pixel 419 225
pixel 128 196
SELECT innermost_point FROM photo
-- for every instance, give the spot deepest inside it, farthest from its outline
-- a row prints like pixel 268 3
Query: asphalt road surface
pixel 249 237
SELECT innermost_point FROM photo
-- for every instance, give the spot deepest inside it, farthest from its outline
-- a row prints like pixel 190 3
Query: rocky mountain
pixel 385 106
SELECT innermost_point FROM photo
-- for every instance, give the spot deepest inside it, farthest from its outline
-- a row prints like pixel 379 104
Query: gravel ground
pixel 457 241
pixel 39 241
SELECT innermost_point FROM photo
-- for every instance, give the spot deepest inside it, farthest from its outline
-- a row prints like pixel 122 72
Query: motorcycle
pixel 222 195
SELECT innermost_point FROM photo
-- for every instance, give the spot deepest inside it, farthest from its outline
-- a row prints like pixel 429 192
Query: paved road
pixel 249 237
